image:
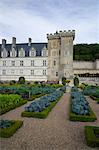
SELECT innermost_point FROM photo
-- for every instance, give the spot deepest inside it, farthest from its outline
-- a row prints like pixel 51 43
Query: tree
pixel 64 80
pixel 21 80
pixel 76 81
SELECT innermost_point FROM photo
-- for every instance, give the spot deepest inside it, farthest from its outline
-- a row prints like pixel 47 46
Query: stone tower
pixel 60 55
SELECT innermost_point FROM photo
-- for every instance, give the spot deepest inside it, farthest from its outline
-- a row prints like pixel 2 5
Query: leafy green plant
pixel 21 80
pixel 10 101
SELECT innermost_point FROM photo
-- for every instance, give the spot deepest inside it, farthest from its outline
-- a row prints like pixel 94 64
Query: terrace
pixel 55 132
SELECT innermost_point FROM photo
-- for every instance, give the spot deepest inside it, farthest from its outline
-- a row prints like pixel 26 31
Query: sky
pixel 35 18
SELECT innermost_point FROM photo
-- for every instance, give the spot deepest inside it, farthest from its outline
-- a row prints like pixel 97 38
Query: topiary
pixel 64 80
pixel 21 80
pixel 76 81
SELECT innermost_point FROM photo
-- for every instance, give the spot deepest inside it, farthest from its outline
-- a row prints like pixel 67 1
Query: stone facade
pixel 43 61
pixel 60 55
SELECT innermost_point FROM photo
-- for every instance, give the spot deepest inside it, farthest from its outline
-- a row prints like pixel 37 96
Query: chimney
pixel 3 43
pixel 13 42
pixel 29 41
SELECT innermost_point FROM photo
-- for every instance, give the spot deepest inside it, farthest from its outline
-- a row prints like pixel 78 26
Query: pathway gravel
pixel 55 132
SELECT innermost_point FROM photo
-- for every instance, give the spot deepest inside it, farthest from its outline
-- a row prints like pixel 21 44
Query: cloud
pixel 30 18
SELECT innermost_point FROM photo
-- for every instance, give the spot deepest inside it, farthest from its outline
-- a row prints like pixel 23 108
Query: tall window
pixel 54 62
pixel 56 74
pixel 21 63
pixel 32 62
pixel 3 72
pixel 13 63
pixel 4 63
pixel 44 62
pixel 44 72
pixel 32 72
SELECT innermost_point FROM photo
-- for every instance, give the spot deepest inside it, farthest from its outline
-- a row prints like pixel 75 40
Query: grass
pixel 82 118
pixel 8 132
pixel 3 111
pixel 90 136
pixel 42 114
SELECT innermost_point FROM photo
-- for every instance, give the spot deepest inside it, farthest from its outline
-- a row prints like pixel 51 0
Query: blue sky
pixel 36 18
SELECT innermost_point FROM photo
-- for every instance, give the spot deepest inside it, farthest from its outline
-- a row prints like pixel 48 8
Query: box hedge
pixel 91 138
pixel 42 114
pixel 8 132
pixel 82 118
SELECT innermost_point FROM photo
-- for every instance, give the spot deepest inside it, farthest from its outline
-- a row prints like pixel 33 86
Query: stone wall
pixel 14 72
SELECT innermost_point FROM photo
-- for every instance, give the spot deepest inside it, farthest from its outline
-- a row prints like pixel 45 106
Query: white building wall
pixel 83 65
pixel 14 72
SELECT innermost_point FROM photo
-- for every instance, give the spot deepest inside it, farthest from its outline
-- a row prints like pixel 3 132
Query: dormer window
pixel 44 51
pixel 32 52
pixel 13 53
pixel 4 53
pixel 21 53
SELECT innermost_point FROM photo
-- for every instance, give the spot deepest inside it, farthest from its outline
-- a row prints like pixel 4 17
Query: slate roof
pixel 37 46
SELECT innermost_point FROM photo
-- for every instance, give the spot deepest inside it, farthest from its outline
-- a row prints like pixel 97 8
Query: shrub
pixel 91 133
pixel 9 131
pixel 12 82
pixel 76 81
pixel 63 80
pixel 67 81
pixel 21 80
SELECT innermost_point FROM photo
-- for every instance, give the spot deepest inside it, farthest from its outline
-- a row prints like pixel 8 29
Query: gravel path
pixel 55 132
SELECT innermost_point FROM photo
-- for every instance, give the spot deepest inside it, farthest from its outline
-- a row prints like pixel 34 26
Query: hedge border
pixel 35 96
pixel 8 132
pixel 95 98
pixel 91 139
pixel 11 107
pixel 43 114
pixel 82 118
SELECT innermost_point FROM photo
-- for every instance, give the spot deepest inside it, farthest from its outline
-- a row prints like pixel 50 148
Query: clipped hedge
pixel 3 111
pixel 91 139
pixel 8 132
pixel 35 96
pixel 82 118
pixel 42 114
pixel 95 98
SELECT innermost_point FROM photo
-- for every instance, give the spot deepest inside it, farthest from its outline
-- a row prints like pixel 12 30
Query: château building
pixel 43 61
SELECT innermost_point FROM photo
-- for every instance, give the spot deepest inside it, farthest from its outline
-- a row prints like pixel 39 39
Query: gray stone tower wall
pixel 60 55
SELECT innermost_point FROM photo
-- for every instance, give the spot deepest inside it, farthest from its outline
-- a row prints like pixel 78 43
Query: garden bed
pixel 82 118
pixel 11 107
pixel 92 136
pixel 9 131
pixel 42 114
